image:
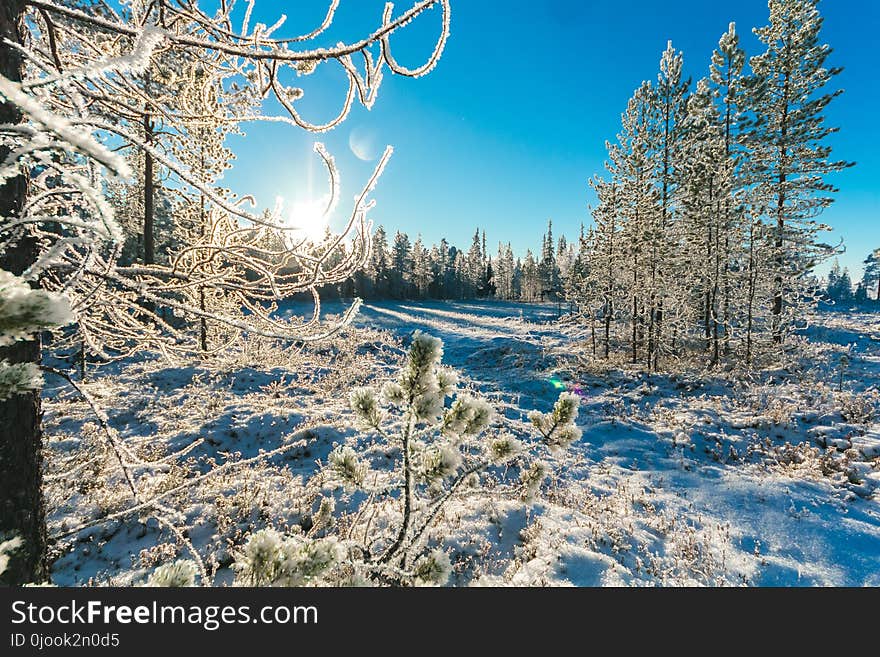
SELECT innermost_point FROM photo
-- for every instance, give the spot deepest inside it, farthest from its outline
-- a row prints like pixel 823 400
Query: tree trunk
pixel 149 243
pixel 635 314
pixel 728 125
pixel 707 294
pixel 22 512
pixel 750 312
pixel 716 352
pixel 203 221
pixel 609 299
pixel 609 311
pixel 657 314
pixel 593 332
pixel 779 279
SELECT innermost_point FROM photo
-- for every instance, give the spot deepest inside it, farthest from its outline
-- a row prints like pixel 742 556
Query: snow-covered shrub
pixel 386 533
pixel 780 412
pixel 859 408
pixel 842 367
pixel 271 559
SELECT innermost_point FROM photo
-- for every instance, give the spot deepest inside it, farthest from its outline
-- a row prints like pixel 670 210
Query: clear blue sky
pixel 505 133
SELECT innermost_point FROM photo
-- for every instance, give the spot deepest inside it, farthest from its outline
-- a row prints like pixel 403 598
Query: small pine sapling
pixel 442 446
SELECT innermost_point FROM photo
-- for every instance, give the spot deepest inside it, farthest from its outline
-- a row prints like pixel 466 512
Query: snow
pixel 688 478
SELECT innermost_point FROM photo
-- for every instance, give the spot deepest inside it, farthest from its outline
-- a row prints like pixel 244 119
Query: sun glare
pixel 308 220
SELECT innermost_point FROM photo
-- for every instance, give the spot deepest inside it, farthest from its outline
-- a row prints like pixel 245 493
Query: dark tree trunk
pixel 728 126
pixel 609 312
pixel 716 324
pixel 609 298
pixel 203 220
pixel 707 293
pixel 593 332
pixel 779 281
pixel 750 313
pixel 657 313
pixel 149 244
pixel 22 513
pixel 635 317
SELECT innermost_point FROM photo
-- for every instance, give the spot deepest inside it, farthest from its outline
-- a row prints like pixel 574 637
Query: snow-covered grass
pixel 692 477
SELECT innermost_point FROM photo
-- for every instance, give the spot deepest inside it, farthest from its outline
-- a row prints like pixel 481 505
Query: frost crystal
pixel 558 427
pixel 428 407
pixel 418 376
pixel 16 378
pixel 565 436
pixel 441 462
pixel 365 406
pixel 257 564
pixel 301 560
pixel 433 569
pixel 503 448
pixel 538 420
pixel 176 574
pixel 269 559
pixel 346 464
pixel 6 548
pixel 393 393
pixel 24 311
pixel 447 380
pixel 565 409
pixel 468 416
pixel 532 478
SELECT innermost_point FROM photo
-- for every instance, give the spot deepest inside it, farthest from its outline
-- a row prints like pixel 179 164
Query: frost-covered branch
pixel 166 81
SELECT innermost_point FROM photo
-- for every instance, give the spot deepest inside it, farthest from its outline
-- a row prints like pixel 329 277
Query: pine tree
pixel 460 281
pixel 475 268
pixel 839 287
pixel 445 269
pixel 727 84
pixel 489 289
pixel 378 267
pixel 669 112
pixel 871 277
pixel 789 154
pixel 401 266
pixel 604 263
pixel 548 270
pixel 630 167
pixel 529 279
pixel 704 193
pixel 422 271
pixel 505 273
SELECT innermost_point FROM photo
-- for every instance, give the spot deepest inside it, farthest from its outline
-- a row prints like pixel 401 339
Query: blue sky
pixel 508 129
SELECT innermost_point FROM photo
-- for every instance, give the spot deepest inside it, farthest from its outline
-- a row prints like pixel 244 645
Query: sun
pixel 308 219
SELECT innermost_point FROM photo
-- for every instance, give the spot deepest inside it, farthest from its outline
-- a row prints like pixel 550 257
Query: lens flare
pixel 559 384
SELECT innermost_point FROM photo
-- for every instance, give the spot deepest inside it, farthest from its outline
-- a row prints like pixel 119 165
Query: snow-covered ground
pixel 688 478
